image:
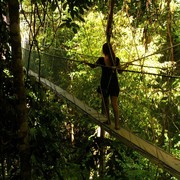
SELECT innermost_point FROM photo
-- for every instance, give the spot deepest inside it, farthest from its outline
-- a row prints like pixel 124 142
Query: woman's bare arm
pixel 90 64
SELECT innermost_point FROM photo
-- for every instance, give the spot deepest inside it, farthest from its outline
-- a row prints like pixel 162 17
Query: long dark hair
pixel 107 50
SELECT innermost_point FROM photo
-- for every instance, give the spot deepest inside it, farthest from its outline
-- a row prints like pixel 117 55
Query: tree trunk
pixel 19 88
pixel 169 29
pixel 110 21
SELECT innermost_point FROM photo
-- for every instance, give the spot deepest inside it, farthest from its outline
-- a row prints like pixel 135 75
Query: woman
pixel 109 86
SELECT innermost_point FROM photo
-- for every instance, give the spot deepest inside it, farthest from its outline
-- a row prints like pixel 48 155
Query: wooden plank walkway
pixel 147 149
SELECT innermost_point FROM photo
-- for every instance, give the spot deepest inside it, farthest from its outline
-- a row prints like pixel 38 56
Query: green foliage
pixel 49 134
pixel 47 17
pixel 148 104
pixel 144 107
pixel 53 152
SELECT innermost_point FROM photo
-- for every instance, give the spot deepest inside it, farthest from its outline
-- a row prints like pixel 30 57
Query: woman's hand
pixel 89 64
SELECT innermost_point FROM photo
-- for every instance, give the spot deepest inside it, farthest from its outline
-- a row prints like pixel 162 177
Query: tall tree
pixel 110 20
pixel 19 89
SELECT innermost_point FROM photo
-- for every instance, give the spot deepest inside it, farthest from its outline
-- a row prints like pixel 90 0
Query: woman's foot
pixel 117 127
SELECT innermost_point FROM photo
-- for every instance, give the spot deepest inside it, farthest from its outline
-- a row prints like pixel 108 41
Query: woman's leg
pixel 105 108
pixel 114 102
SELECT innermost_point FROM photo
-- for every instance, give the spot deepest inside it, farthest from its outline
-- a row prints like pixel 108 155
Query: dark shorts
pixel 114 91
pixel 110 92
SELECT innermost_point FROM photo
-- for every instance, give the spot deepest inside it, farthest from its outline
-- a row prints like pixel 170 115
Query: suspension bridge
pixel 147 149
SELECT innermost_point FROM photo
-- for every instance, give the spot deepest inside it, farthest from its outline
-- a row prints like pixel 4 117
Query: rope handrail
pixel 133 71
pixel 113 67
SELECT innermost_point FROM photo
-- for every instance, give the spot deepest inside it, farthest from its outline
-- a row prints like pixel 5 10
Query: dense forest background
pixel 45 137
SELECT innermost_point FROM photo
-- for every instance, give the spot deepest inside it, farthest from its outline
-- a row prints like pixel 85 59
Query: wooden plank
pixel 152 152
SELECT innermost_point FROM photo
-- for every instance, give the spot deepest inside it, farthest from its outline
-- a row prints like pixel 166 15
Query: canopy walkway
pixel 150 151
